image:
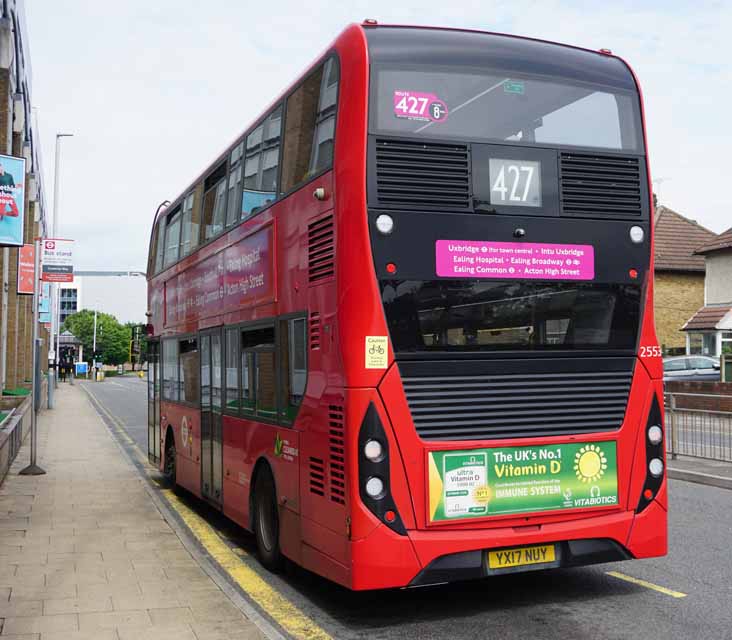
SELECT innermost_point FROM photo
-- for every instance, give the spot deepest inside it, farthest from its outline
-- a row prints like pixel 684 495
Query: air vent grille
pixel 321 249
pixel 424 175
pixel 317 476
pixel 337 448
pixel 517 405
pixel 314 330
pixel 600 186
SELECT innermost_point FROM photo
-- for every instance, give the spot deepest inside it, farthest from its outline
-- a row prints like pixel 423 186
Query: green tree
pixel 113 339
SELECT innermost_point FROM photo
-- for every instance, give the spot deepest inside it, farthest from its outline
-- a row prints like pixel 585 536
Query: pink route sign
pixel 519 260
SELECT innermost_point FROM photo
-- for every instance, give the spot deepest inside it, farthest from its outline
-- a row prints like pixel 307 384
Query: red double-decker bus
pixel 402 329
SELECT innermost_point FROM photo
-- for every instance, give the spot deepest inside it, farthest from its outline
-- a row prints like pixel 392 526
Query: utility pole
pixel 94 345
pixel 52 370
pixel 33 469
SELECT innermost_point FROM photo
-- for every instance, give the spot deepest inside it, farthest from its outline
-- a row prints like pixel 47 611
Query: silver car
pixel 690 368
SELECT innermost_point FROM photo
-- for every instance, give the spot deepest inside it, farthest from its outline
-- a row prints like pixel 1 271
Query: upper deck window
pixel 493 105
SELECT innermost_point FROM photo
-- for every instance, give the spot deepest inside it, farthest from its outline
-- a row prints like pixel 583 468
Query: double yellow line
pixel 286 614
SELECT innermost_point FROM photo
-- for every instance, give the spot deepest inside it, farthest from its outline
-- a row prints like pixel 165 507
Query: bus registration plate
pixel 521 556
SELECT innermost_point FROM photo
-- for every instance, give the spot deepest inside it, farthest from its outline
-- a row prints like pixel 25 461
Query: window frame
pixel 177 212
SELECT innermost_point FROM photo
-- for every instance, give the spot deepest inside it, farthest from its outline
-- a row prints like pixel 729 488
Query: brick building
pixel 19 138
pixel 679 275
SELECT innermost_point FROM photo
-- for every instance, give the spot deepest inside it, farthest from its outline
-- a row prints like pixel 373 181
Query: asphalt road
pixel 576 603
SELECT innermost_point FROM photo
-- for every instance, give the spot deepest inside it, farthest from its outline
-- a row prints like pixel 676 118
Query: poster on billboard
pixel 12 201
pixel 57 256
pixel 26 269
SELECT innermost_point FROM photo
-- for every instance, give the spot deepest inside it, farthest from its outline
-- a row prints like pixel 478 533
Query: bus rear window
pixel 481 105
pixel 475 315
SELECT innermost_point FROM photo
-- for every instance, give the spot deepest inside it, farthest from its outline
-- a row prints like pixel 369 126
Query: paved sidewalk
pixel 700 470
pixel 84 553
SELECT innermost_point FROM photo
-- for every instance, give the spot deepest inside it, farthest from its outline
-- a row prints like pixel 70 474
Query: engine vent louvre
pixel 517 405
pixel 337 448
pixel 317 476
pixel 321 249
pixel 314 330
pixel 424 175
pixel 600 186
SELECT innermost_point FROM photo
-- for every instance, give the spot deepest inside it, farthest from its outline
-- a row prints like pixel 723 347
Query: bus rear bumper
pixel 469 565
pixel 439 555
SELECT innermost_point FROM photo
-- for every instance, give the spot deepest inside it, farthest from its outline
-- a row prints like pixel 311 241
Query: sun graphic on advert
pixel 590 463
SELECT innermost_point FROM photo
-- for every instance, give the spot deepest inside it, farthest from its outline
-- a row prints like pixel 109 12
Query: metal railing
pixel 698 432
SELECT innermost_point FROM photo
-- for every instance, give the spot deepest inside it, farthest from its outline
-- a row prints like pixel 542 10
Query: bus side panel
pixel 186 424
pixel 237 477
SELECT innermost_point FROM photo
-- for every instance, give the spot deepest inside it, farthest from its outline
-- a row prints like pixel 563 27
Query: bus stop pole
pixel 33 469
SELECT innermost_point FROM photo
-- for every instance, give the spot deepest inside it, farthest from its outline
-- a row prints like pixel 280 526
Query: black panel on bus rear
pixel 388 45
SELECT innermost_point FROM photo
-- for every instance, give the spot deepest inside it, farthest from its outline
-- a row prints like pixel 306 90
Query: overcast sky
pixel 154 89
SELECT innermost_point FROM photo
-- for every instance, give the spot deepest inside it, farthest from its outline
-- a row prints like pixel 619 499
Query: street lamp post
pixel 52 371
pixel 94 345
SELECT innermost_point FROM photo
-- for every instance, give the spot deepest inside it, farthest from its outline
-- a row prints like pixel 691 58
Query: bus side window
pixel 189 225
pixel 170 369
pixel 310 126
pixel 160 245
pixel 172 238
pixel 259 374
pixel 261 162
pixel 293 367
pixel 214 202
pixel 189 371
pixel 231 365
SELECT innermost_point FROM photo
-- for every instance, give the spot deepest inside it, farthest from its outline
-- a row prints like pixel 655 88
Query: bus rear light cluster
pixel 373 471
pixel 655 466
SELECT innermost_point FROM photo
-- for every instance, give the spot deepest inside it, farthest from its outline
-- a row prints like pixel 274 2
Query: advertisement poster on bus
pixel 26 269
pixel 517 480
pixel 240 275
pixel 57 260
pixel 12 201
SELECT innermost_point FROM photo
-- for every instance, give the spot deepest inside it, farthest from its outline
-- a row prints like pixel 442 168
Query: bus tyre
pixel 169 464
pixel 267 521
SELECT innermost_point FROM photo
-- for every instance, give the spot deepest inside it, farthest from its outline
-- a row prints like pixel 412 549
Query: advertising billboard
pixel 12 201
pixel 26 269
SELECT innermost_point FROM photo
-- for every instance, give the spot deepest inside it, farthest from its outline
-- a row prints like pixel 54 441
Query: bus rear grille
pixel 321 249
pixel 422 175
pixel 517 405
pixel 600 186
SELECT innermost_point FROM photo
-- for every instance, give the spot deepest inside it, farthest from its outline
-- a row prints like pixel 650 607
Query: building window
pixel 310 126
pixel 261 162
pixel 704 344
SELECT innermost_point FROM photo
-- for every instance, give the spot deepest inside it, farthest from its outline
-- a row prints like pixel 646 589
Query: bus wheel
pixel 267 521
pixel 169 465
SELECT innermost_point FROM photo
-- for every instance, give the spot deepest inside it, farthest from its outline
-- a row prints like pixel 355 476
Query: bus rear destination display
pixel 524 260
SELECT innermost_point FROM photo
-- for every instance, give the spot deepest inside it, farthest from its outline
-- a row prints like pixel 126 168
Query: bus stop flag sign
pixel 57 260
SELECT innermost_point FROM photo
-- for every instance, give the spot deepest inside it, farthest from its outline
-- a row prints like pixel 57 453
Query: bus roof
pixel 437 46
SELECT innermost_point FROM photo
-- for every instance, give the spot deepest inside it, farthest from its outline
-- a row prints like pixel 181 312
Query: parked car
pixel 690 368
